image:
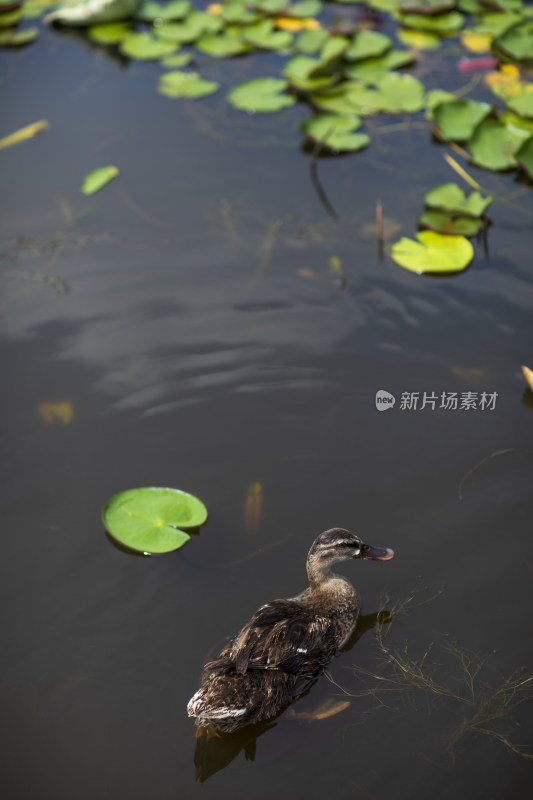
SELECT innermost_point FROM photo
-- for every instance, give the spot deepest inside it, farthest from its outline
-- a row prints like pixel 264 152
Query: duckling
pixel 287 643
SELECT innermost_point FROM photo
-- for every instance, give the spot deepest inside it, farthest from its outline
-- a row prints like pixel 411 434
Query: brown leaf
pixel 253 506
pixel 56 412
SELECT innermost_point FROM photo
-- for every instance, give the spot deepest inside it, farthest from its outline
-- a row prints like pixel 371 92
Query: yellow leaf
pixel 215 8
pixel 253 506
pixel 306 273
pixel 476 42
pixel 528 375
pixel 24 133
pixel 504 82
pixel 60 412
pixel 294 25
pixel 326 709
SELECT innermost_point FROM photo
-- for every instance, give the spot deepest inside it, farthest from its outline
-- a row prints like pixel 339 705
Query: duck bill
pixel 376 553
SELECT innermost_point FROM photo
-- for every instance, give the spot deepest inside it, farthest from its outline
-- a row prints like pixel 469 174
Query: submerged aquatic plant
pixel 481 705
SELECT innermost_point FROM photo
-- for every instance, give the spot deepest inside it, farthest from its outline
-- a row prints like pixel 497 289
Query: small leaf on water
pixel 451 198
pixel 476 42
pixel 177 9
pixel 336 132
pixel 220 45
pixel 368 44
pixel 517 42
pixel 177 60
pixel 56 412
pixel 97 179
pixel 150 519
pixel 457 119
pixel 261 95
pixel 294 25
pixel 433 253
pixel 185 84
pixel 528 375
pixel 419 40
pixel 494 144
pixel 451 22
pixel 24 133
pixel 110 33
pixel 146 47
pixel 253 507
pixel 441 222
pixel 18 38
pixel 524 156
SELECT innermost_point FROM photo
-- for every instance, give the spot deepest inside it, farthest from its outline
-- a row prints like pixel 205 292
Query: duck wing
pixel 284 635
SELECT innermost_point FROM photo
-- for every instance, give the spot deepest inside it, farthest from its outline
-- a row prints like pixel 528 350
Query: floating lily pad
pixel 494 144
pixel 524 156
pixel 185 84
pixel 310 42
pixel 150 520
pixel 264 36
pixel 333 49
pixel 445 223
pixel 304 8
pixel 10 19
pixel 496 24
pixel 457 119
pixel 111 33
pixel 522 104
pixel 519 122
pixel 517 42
pixel 433 253
pixel 451 22
pixel 145 47
pixel 434 98
pixel 18 38
pixel 261 95
pixel 368 44
pixel 451 198
pixel 503 5
pixel 342 99
pixel 222 45
pixel 336 133
pixel 299 70
pixel 239 13
pixel 372 69
pixel 192 28
pixel 427 7
pixel 97 179
pixel 419 40
pixel 178 9
pixel 401 93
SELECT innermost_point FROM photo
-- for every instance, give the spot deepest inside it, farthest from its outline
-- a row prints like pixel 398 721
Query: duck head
pixel 338 544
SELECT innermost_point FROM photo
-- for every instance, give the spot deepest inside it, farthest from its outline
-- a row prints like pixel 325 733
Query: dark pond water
pixel 204 344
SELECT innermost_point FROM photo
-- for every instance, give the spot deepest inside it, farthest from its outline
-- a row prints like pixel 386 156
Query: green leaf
pixel 444 223
pixel 368 44
pixel 433 253
pixel 524 156
pixel 512 119
pixel 110 33
pixel 185 84
pixel 150 519
pixel 343 99
pixel 517 42
pixel 494 144
pixel 305 8
pixel 420 40
pixel 238 12
pixel 97 179
pixel 336 133
pixel 310 42
pixel 196 25
pixel 522 104
pixel 457 119
pixel 451 22
pixel 176 61
pixel 333 49
pixel 178 9
pixel 263 36
pixel 298 72
pixel 434 98
pixel 427 7
pixel 13 38
pixel 400 93
pixel 145 47
pixel 496 24
pixel 10 19
pixel 373 69
pixel 261 95
pixel 222 45
pixel 451 198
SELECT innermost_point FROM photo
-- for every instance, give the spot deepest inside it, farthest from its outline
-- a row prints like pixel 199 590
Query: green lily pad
pixel 197 24
pixel 336 132
pixel 150 519
pixel 261 95
pixel 310 42
pixel 419 40
pixel 457 119
pixel 177 60
pixel 239 13
pixel 333 49
pixel 111 33
pixel 368 44
pixel 496 24
pixel 372 69
pixel 304 8
pixel 97 179
pixel 433 253
pixel 494 144
pixel 299 70
pixel 445 223
pixel 342 99
pixel 517 42
pixel 524 156
pixel 265 37
pixel 519 122
pixel 427 7
pixel 451 198
pixel 178 9
pixel 222 45
pixel 13 38
pixel 503 5
pixel 434 98
pixel 400 93
pixel 145 47
pixel 185 84
pixel 11 18
pixel 451 22
pixel 521 104
pixel 273 7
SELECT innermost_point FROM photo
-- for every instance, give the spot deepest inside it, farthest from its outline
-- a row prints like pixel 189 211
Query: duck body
pixel 286 644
